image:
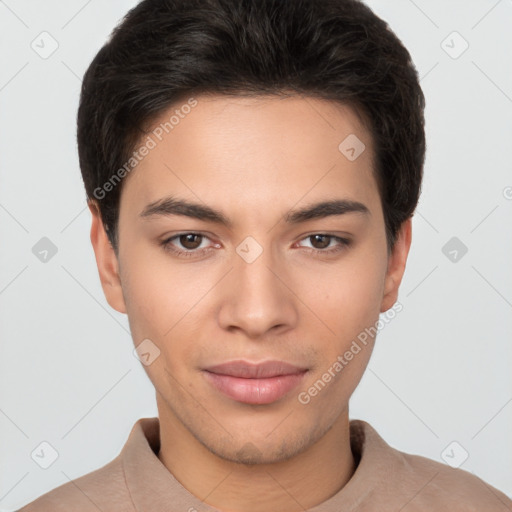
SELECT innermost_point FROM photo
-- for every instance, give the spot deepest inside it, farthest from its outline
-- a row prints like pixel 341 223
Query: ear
pixel 106 260
pixel 396 265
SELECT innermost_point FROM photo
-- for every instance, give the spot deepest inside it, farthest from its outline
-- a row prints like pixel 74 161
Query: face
pixel 258 274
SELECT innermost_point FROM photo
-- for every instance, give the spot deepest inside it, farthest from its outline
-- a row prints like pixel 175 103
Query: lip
pixel 255 383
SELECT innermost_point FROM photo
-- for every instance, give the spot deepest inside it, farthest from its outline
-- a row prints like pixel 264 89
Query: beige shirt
pixel 385 480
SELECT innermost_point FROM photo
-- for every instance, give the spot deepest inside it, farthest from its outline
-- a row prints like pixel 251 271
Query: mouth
pixel 255 383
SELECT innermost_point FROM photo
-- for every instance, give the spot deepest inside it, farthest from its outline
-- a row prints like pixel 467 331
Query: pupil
pixel 187 240
pixel 326 240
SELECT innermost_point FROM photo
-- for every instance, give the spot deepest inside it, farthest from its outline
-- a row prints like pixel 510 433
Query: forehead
pixel 241 150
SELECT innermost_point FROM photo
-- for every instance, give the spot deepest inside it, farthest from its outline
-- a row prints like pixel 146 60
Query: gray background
pixel 441 369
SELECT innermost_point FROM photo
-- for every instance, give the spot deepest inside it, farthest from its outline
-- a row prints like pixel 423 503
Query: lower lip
pixel 254 391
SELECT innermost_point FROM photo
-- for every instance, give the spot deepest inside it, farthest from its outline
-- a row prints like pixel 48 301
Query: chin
pixel 257 449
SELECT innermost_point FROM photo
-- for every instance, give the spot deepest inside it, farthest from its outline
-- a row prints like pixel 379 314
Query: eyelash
pixel 343 243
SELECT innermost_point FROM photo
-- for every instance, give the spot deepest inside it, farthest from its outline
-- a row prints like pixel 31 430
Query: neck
pixel 299 483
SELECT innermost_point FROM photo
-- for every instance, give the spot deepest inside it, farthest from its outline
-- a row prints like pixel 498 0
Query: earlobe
pixel 106 261
pixel 396 265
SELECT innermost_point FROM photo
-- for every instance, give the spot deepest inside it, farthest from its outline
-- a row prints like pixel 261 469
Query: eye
pixel 191 243
pixel 322 241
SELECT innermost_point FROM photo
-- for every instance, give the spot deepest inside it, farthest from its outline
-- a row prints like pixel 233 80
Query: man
pixel 252 168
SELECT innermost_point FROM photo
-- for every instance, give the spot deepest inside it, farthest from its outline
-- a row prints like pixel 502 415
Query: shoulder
pixel 445 488
pixel 106 488
pixel 414 483
pixel 102 489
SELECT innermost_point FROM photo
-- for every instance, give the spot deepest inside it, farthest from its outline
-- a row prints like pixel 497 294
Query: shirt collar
pixel 153 487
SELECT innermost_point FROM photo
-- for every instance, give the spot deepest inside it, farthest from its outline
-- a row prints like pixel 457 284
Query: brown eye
pixel 320 244
pixel 188 245
pixel 320 241
pixel 190 240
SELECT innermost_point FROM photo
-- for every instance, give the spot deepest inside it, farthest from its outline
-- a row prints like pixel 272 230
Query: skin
pixel 254 159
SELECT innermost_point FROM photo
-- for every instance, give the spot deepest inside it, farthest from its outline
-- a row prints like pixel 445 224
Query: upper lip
pixel 250 370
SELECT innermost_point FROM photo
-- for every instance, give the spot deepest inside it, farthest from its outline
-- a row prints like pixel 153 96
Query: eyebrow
pixel 169 206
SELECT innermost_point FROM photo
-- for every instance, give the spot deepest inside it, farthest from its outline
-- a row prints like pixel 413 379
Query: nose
pixel 257 298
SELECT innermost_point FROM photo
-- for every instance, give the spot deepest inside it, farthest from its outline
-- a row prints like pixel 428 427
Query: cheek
pixel 151 297
pixel 165 300
pixel 350 307
pixel 350 296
